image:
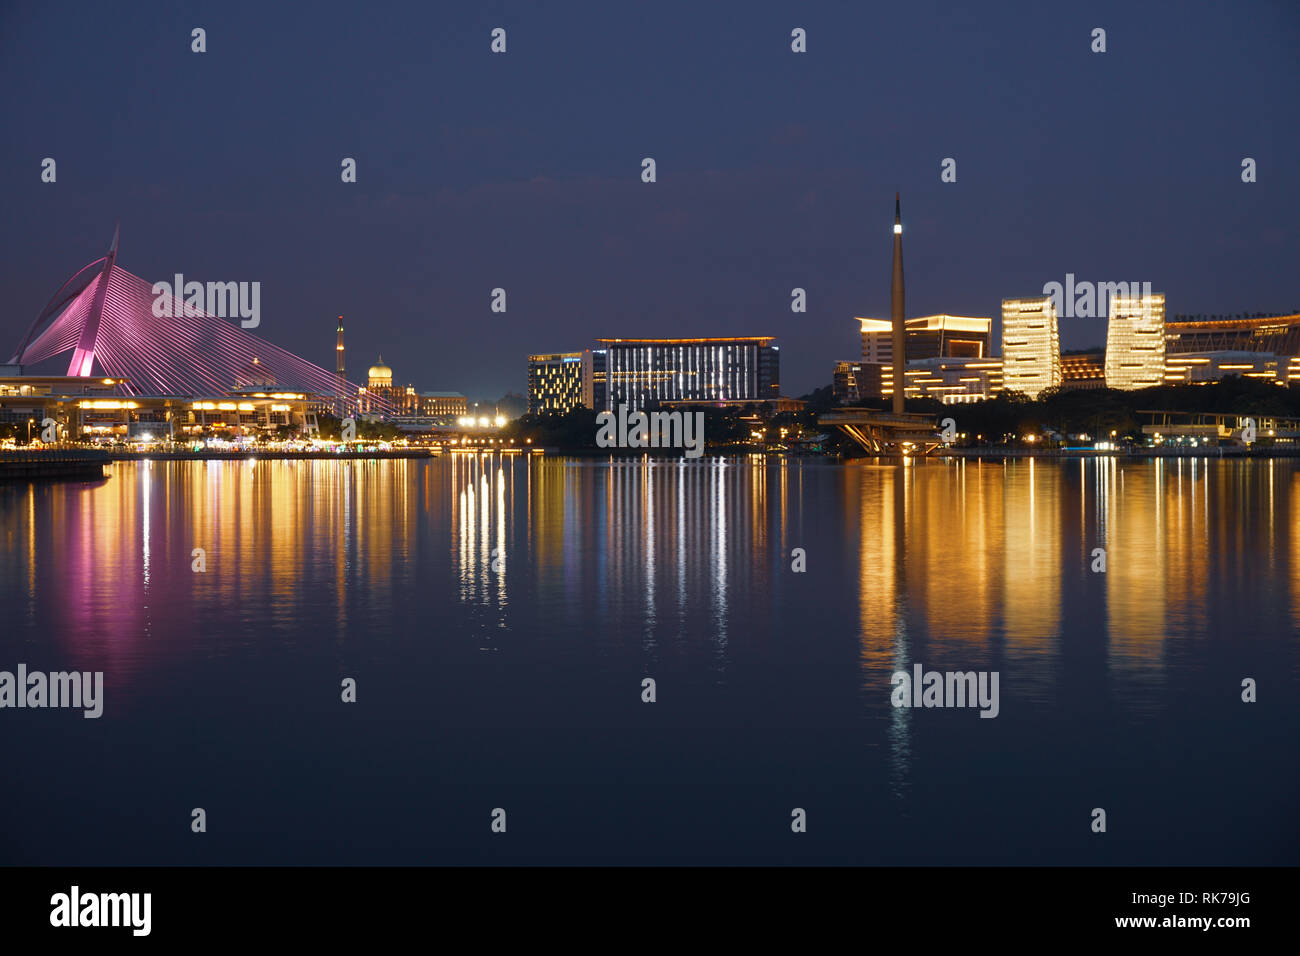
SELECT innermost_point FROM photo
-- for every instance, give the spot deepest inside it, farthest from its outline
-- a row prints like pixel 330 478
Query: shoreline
pixel 1083 454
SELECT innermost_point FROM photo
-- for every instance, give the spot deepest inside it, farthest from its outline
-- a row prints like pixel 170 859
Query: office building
pixel 642 373
pixel 1031 345
pixel 1135 342
pixel 555 382
pixel 442 404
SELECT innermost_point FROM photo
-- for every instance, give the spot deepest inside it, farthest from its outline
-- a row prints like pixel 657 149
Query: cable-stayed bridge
pixel 105 317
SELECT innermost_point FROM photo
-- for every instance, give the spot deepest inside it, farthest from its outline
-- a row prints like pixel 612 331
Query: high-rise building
pixel 559 381
pixel 642 373
pixel 1031 345
pixel 1135 342
pixel 555 381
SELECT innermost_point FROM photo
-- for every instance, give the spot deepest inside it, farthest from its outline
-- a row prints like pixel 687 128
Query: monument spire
pixel 340 374
pixel 898 322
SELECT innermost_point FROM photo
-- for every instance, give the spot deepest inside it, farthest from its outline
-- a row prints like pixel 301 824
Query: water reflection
pixel 958 565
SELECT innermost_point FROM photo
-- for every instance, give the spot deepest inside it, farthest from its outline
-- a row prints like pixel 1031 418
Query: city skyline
pixel 945 349
pixel 764 183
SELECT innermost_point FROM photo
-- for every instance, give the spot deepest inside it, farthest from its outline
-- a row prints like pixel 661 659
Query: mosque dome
pixel 381 374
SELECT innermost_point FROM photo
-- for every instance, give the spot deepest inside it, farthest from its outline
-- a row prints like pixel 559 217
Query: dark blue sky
pixel 522 170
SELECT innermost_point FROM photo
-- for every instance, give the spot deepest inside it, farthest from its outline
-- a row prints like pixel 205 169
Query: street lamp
pixel 30 422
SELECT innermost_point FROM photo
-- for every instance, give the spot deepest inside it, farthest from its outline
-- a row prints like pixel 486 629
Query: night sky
pixel 523 170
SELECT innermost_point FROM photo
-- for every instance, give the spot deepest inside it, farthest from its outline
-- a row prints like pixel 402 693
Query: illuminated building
pixel 1031 345
pixel 646 372
pixel 1198 368
pixel 931 336
pixel 555 381
pixel 442 404
pixel 86 409
pixel 1083 370
pixel 954 380
pixel 1278 334
pixel 559 381
pixel 381 396
pixel 379 376
pixel 928 337
pixel 845 382
pixel 1135 342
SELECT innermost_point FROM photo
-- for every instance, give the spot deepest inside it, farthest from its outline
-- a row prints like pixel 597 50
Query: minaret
pixel 896 310
pixel 340 375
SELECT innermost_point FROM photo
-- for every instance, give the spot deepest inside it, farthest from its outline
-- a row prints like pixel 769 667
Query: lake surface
pixel 500 615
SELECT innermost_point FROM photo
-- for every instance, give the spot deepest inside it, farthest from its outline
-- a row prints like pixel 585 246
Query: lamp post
pixel 30 422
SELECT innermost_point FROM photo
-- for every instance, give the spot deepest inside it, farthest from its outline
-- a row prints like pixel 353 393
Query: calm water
pixel 499 618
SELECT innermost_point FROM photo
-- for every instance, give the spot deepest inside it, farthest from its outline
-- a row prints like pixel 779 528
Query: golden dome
pixel 381 372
